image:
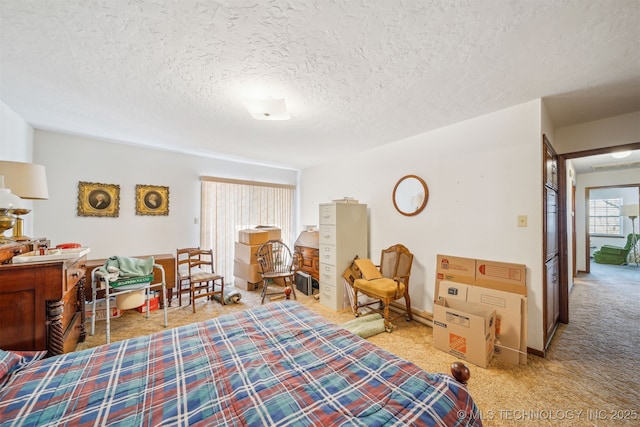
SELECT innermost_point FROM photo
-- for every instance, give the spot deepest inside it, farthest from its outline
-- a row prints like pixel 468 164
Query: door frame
pixel 563 215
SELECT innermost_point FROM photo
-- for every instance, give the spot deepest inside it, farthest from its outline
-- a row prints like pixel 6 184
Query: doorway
pixel 569 231
pixel 614 234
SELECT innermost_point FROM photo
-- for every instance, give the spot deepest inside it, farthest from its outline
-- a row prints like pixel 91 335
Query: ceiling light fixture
pixel 267 108
pixel 621 154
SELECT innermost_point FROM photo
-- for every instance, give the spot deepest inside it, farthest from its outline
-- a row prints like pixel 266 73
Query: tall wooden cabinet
pixel 343 235
pixel 551 239
pixel 42 306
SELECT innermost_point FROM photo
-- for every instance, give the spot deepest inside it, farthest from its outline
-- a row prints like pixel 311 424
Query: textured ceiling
pixel 355 74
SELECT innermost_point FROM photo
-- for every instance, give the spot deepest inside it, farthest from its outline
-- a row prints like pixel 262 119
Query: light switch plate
pixel 522 220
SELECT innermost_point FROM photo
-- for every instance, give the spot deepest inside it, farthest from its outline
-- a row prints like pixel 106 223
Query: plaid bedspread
pixel 276 365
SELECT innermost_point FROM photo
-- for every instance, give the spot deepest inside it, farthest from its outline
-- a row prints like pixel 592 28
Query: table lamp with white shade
pixel 28 181
pixel 8 201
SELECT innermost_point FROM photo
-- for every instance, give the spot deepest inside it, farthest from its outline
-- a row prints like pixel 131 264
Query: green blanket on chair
pixel 119 267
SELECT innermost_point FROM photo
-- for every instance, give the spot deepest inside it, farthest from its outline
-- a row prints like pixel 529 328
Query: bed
pixel 279 364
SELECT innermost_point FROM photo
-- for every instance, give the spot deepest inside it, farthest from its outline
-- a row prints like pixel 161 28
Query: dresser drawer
pixel 327 234
pixel 70 301
pixel 75 272
pixel 327 214
pixel 72 334
pixel 327 254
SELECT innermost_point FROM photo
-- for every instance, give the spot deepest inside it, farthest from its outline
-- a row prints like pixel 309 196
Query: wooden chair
pixel 386 283
pixel 182 272
pixel 277 268
pixel 201 277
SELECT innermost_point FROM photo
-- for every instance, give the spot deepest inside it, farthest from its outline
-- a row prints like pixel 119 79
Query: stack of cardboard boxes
pixel 245 264
pixel 467 287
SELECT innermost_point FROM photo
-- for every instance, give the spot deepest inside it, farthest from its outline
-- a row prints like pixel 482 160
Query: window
pixel 604 217
pixel 230 205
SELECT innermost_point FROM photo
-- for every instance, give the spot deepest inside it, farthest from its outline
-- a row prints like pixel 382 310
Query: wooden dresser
pixel 42 306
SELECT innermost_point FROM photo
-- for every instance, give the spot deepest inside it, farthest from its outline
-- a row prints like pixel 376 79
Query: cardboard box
pixel 246 253
pixel 511 317
pixel 246 286
pixel 275 233
pixel 101 309
pixel 252 236
pixel 501 276
pixel 247 272
pixel 154 304
pixel 464 330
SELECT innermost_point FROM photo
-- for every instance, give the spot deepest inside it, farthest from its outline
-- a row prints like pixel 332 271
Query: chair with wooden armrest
pixel 277 267
pixel 387 283
pixel 616 255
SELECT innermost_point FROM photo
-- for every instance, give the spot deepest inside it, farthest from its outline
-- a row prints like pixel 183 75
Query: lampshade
pixel 26 180
pixel 630 210
pixel 267 109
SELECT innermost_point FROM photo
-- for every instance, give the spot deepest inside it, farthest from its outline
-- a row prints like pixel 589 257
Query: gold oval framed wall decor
pixel 152 200
pixel 97 199
pixel 410 195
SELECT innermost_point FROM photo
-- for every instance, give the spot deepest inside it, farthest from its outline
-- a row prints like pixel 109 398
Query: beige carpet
pixel 589 377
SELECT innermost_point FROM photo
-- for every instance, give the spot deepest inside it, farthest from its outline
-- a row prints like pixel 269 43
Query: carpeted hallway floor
pixel 590 376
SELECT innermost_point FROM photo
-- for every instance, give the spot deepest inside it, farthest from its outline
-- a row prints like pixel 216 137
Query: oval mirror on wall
pixel 410 195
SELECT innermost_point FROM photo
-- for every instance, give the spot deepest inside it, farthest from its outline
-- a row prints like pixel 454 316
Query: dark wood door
pixel 551 288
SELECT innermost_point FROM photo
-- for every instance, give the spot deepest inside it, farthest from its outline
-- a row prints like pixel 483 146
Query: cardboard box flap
pixel 490 273
pixel 457 266
pixel 475 317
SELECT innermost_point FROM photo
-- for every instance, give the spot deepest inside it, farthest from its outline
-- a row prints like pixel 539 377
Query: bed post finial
pixel 460 372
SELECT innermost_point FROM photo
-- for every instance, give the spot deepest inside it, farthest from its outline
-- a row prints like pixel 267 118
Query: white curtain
pixel 230 205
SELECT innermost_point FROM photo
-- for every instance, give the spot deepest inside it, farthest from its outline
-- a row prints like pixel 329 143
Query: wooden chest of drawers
pixel 42 306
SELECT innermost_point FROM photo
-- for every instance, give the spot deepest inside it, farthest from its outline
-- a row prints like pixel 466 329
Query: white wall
pixel 16 145
pixel 481 173
pixel 609 132
pixel 70 159
pixel 16 136
pixel 618 130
